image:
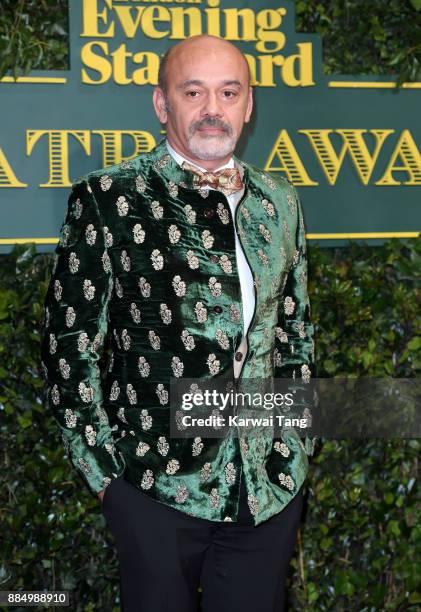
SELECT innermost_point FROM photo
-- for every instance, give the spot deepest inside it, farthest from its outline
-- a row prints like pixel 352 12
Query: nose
pixel 211 105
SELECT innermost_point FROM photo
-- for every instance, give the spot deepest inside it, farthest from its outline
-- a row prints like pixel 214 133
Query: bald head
pixel 202 43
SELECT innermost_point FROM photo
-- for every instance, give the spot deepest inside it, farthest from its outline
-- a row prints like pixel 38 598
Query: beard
pixel 211 146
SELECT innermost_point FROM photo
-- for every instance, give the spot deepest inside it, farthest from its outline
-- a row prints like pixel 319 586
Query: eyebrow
pixel 199 82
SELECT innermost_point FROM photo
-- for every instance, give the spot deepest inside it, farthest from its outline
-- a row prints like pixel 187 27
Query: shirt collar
pixel 180 159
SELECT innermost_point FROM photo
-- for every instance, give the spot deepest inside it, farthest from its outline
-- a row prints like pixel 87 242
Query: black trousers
pixel 165 555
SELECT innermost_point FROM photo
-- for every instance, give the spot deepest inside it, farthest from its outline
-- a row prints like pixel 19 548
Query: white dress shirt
pixel 246 277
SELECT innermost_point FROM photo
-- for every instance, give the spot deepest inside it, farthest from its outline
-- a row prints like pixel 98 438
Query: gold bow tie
pixel 227 180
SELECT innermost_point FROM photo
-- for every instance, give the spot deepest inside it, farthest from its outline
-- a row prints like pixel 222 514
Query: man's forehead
pixel 222 82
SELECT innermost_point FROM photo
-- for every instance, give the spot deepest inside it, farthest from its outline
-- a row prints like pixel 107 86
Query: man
pixel 189 263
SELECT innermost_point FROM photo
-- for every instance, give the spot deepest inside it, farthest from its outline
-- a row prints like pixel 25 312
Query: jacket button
pixel 217 308
pixel 208 213
pixel 214 258
pixel 238 356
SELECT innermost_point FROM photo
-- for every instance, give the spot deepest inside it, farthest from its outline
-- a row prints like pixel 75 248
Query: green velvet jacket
pixel 131 303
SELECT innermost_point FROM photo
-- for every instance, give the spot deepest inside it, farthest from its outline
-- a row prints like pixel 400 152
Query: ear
pixel 158 99
pixel 249 105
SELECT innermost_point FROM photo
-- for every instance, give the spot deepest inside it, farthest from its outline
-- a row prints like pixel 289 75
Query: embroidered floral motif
pixel 121 415
pixel 197 446
pixel 140 184
pixel 157 209
pixel 269 207
pixel 286 481
pixel 173 189
pixel 135 312
pixel 115 391
pixel 172 466
pixel 207 239
pixel 77 208
pixel 292 204
pixel 165 313
pixel 141 449
pixel 64 368
pixel 268 180
pixel 223 213
pixel 125 261
pixel 179 285
pixel 235 314
pixel 162 162
pixel 201 312
pixel 225 263
pixel 263 257
pixel 265 232
pixel 230 473
pixel 58 290
pixel 144 286
pixel 154 340
pixel 122 206
pixel 253 504
pixel 85 465
pixel 85 392
pixel 222 339
pixel 126 340
pixel 55 395
pixel 163 446
pixel 215 286
pixel 177 366
pixel 245 212
pixel 190 214
pixel 138 233
pixel 147 479
pixel 214 498
pixel 213 363
pixel 187 340
pixel 289 305
pixel 143 366
pixel 282 448
pixel 53 344
pixel 145 419
pixel 118 287
pixel 90 435
pixel 286 229
pixel 192 260
pixel 162 394
pixel 90 234
pixel 281 334
pixel 174 233
pixel 108 237
pixel 70 418
pixel 70 316
pixel 88 289
pixel 131 394
pixel 106 262
pixel 305 373
pixel 82 342
pixel 105 182
pixel 157 259
pixel 182 493
pixel 73 263
pixel 205 472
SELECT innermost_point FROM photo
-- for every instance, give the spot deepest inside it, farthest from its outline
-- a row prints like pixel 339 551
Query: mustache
pixel 211 122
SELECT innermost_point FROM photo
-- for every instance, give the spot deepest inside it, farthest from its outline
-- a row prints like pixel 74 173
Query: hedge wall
pixel 359 545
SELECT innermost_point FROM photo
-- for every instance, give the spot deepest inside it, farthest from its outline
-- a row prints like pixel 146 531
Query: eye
pixel 191 93
pixel 229 94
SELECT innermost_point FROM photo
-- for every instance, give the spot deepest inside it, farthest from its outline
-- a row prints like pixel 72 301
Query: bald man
pixel 192 263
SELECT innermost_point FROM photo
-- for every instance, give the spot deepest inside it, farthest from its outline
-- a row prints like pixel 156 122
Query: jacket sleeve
pixel 73 334
pixel 294 333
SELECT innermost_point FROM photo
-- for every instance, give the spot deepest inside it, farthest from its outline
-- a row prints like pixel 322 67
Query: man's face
pixel 208 100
